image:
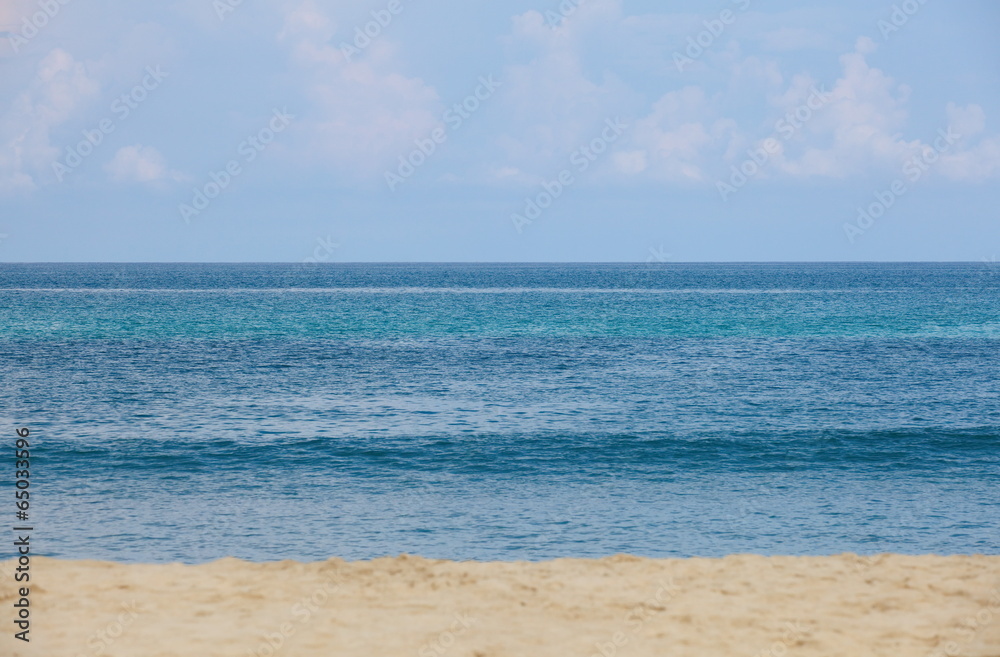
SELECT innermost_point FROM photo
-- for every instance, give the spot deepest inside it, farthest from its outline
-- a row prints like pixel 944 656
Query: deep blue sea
pixel 190 412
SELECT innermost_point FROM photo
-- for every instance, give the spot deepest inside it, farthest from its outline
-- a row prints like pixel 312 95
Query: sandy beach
pixel 892 605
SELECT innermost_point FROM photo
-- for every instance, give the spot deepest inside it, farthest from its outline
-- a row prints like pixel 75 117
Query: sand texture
pixel 898 606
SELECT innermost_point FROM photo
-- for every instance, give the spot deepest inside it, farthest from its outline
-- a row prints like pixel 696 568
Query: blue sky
pixel 581 130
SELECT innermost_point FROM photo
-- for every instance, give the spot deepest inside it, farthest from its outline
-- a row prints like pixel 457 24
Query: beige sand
pixel 743 605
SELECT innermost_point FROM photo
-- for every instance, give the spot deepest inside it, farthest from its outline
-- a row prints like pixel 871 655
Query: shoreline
pixel 886 604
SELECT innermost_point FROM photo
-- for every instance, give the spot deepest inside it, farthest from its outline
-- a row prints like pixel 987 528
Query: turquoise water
pixel 189 412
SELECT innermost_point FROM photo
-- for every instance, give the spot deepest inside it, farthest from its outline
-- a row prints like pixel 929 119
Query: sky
pixel 538 130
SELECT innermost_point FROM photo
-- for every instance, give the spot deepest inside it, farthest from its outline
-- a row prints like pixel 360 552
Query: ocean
pixel 187 412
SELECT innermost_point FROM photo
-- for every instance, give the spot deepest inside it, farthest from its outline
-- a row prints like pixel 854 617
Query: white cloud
pixel 967 121
pixel 689 136
pixel 630 162
pixel 140 164
pixel 13 13
pixel 60 87
pixel 356 114
pixel 679 140
pixel 552 105
pixel 362 112
pixel 858 127
pixel 860 131
pixel 972 163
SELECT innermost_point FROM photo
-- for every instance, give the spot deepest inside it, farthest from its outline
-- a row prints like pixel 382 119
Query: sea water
pixel 193 411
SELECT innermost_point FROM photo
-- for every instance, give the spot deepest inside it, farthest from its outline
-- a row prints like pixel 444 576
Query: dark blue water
pixel 189 412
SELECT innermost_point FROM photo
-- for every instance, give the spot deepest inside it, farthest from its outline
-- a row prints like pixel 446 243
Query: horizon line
pixel 496 262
